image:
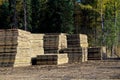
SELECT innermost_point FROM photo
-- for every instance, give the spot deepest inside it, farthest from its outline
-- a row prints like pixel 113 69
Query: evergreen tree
pixel 37 6
pixel 58 16
pixel 28 13
pixel 67 16
pixel 4 15
pixel 13 15
pixel 87 20
pixel 111 26
pixel 24 14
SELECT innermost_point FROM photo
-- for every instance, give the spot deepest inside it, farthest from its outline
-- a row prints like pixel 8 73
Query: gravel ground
pixel 91 70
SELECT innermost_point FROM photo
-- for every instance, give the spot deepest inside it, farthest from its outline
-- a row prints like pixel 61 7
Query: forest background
pixel 99 19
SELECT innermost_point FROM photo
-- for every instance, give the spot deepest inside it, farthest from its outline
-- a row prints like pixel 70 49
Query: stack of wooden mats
pixel 96 53
pixel 52 59
pixel 53 43
pixel 8 45
pixel 14 48
pixel 77 48
pixel 77 40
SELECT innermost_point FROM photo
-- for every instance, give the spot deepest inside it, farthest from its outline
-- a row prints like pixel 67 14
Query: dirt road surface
pixel 91 70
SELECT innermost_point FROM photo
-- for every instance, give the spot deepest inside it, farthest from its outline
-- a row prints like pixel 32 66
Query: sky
pixel 78 0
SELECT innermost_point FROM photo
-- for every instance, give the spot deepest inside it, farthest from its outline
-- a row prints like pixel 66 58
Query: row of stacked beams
pixel 8 46
pixel 52 59
pixel 14 48
pixel 76 48
pixel 54 42
pixel 17 47
pixel 77 40
pixel 97 53
pixel 94 54
pixel 76 55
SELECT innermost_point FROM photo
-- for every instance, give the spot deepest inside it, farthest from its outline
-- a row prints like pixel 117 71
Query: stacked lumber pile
pixel 54 42
pixel 36 44
pixel 52 59
pixel 17 47
pixel 77 48
pixel 76 54
pixel 14 48
pixel 8 45
pixel 77 40
pixel 95 53
pixel 23 55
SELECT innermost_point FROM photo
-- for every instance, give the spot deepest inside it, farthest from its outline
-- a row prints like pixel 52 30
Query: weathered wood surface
pixel 77 40
pixel 52 59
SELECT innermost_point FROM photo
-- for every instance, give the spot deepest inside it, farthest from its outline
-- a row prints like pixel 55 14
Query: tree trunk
pixel 25 16
pixel 13 15
pixel 102 24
